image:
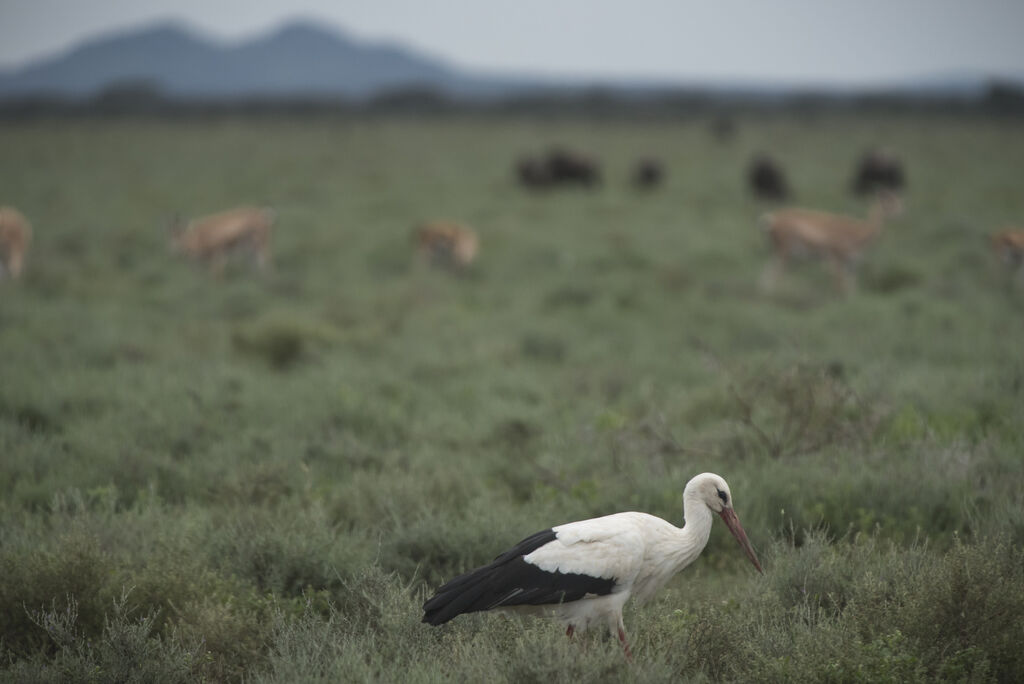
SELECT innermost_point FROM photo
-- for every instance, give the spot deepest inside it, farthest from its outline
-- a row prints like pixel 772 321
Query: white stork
pixel 584 572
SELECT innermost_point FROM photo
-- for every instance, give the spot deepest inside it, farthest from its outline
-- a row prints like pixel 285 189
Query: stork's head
pixel 713 491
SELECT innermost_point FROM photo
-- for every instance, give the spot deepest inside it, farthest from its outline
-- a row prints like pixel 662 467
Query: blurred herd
pixel 878 177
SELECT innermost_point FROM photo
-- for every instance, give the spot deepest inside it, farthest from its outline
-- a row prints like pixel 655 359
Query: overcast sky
pixel 795 41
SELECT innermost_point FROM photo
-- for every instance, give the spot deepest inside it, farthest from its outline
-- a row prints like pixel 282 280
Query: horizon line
pixel 907 80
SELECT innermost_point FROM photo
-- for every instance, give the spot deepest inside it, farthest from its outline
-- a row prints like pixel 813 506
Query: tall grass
pixel 261 477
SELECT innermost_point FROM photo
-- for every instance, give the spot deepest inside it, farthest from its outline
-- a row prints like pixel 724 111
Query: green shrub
pixel 280 554
pixel 279 346
pixel 34 580
pixel 799 409
pixel 127 650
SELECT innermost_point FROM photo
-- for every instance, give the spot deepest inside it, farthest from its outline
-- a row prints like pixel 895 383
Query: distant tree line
pixel 146 98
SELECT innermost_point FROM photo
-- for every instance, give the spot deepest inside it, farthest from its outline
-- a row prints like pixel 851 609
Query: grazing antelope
pixel 1008 246
pixel 211 238
pixel 840 239
pixel 15 237
pixel 446 243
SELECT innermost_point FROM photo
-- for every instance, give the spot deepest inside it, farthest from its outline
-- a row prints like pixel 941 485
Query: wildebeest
pixel 446 243
pixel 211 238
pixel 569 167
pixel 648 173
pixel 876 170
pixel 15 238
pixel 766 179
pixel 559 167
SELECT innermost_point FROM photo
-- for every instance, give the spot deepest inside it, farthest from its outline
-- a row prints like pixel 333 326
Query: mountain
pixel 300 58
pixel 306 59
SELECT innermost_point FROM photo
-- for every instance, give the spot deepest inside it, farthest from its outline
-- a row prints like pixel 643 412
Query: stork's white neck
pixel 693 537
pixel 671 548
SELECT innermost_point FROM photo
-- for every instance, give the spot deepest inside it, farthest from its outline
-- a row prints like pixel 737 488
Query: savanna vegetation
pixel 260 476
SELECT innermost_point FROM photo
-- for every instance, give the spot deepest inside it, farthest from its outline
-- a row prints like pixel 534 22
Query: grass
pixel 260 478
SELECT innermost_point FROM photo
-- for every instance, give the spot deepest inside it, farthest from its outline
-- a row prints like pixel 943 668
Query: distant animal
pixel 533 173
pixel 559 167
pixel 877 170
pixel 15 238
pixel 583 573
pixel 839 239
pixel 1008 246
pixel 211 239
pixel 568 167
pixel 648 173
pixel 446 243
pixel 766 179
pixel 723 128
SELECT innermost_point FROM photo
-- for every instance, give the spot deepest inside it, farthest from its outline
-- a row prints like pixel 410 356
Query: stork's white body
pixel 641 552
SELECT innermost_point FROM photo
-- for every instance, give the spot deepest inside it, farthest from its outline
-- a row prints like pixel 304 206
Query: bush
pixel 852 612
pixel 127 650
pixel 800 409
pixel 34 580
pixel 279 346
pixel 281 554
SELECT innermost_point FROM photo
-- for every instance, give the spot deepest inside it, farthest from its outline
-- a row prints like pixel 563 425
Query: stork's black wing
pixel 511 581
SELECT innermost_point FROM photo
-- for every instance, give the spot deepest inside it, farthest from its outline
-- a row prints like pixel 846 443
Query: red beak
pixel 733 523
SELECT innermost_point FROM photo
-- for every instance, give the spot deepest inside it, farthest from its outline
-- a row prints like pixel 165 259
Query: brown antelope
pixel 1008 246
pixel 839 239
pixel 211 238
pixel 15 237
pixel 446 243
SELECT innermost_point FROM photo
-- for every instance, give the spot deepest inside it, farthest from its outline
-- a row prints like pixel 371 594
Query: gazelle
pixel 211 238
pixel 446 243
pixel 15 238
pixel 839 239
pixel 1008 246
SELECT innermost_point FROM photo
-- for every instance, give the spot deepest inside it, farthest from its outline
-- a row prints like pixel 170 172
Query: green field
pixel 261 478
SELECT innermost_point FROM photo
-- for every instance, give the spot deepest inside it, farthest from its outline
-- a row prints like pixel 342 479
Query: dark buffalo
pixel 648 174
pixel 560 167
pixel 766 179
pixel 573 168
pixel 878 170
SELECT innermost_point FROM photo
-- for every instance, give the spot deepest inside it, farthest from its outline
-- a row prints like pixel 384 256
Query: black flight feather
pixel 510 581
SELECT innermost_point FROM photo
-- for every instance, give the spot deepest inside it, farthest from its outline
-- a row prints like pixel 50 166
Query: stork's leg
pixel 569 631
pixel 625 644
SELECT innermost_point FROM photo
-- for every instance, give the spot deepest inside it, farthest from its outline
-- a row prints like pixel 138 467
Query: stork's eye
pixel 724 497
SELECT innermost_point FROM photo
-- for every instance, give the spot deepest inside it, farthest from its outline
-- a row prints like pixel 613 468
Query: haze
pixel 798 42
